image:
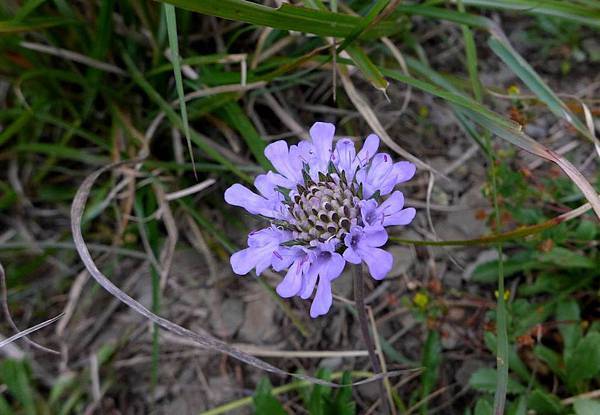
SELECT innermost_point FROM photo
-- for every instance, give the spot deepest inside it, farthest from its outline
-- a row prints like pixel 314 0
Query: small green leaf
pixel 30 25
pixel 484 380
pixel 430 360
pixel 586 230
pixel 565 258
pixel 239 120
pixel 546 283
pixel 568 316
pixel 315 404
pixel 544 402
pixel 342 403
pixel 367 68
pixel 584 362
pixel 483 407
pixel 586 407
pixel 551 358
pixel 518 407
pixel 15 374
pixel 264 402
pixel 488 272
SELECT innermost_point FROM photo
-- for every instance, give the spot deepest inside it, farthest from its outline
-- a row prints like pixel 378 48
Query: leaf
pixel 367 68
pixel 566 258
pixel 584 362
pixel 175 58
pixel 568 316
pixel 319 393
pixel 15 374
pixel 450 15
pixel 29 25
pixel 342 403
pixel 264 402
pixel 237 119
pixel 16 126
pixel 484 380
pixel 483 407
pixel 518 407
pixel 63 152
pixel 514 361
pixel 287 17
pixel 586 407
pixel 567 10
pixel 551 358
pixel 586 231
pixel 544 402
pixel 488 271
pixel 430 360
pixel 546 283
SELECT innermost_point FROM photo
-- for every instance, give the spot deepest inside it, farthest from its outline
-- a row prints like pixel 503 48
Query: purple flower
pixel 388 213
pixel 269 203
pixel 327 208
pixel 262 247
pixel 363 245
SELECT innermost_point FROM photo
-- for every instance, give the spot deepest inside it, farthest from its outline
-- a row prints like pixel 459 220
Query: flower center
pixel 323 210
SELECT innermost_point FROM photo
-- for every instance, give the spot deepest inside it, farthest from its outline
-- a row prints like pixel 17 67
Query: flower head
pixel 327 207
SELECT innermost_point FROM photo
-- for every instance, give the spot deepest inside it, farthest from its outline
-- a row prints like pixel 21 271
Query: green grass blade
pixel 367 68
pixel 439 13
pixel 567 10
pixel 365 22
pixel 16 126
pixel 471 53
pixel 286 17
pixel 430 360
pixel 28 7
pixel 62 152
pixel 360 58
pixel 528 75
pixel 33 24
pixel 171 19
pixel 237 119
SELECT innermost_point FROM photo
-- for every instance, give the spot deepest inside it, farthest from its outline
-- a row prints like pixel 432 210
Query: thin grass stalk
pixel 502 335
pixel 363 321
pixel 171 20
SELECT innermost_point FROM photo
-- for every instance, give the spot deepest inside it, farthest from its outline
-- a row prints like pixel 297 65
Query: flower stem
pixel 359 300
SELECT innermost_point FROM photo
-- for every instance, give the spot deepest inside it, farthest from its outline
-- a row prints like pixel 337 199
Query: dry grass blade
pixel 8 316
pixel 190 190
pixel 203 340
pixel 73 56
pixel 29 331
